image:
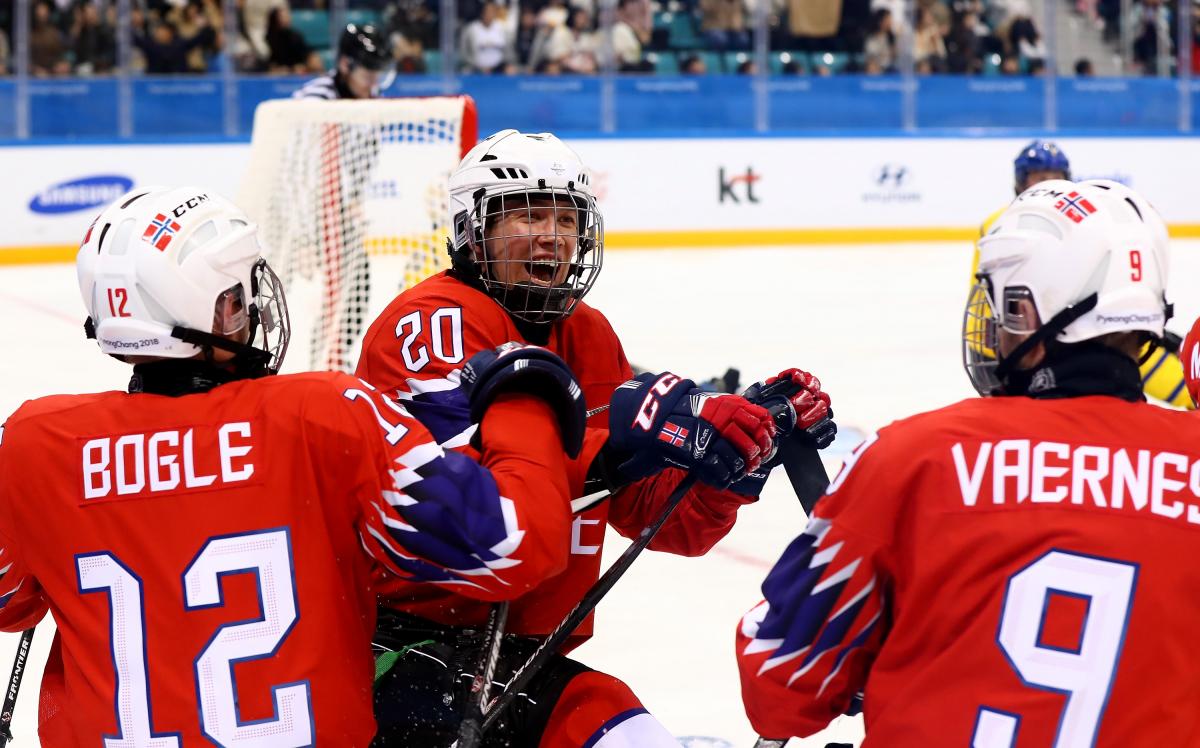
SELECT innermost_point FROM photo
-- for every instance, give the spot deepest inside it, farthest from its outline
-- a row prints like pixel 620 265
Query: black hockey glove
pixel 516 367
pixel 795 400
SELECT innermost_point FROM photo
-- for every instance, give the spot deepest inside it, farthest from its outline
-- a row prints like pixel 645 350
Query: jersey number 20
pixel 1084 675
pixel 268 555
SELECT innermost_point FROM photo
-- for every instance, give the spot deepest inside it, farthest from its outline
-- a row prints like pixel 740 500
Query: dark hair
pixel 576 11
pixel 273 20
pixel 877 17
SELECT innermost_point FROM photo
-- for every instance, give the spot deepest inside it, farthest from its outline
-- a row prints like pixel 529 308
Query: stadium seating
pixel 665 62
pixel 683 31
pixel 313 25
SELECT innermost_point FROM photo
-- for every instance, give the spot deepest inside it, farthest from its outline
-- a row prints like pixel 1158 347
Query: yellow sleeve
pixel 1162 379
pixel 984 227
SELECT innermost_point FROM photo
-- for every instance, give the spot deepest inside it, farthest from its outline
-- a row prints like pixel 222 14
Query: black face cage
pixel 537 251
pixel 981 339
pixel 269 314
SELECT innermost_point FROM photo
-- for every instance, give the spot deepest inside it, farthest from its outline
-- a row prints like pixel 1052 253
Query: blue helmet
pixel 1040 155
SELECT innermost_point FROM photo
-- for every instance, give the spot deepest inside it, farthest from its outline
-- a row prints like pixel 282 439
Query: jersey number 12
pixel 268 555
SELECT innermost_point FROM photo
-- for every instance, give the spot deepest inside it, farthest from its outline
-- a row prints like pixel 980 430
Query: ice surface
pixel 879 325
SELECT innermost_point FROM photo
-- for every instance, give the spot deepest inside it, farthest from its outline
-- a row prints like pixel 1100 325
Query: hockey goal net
pixel 352 205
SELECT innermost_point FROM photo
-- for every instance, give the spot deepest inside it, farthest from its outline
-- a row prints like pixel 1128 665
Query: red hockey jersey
pixel 203 555
pixel 1004 572
pixel 416 350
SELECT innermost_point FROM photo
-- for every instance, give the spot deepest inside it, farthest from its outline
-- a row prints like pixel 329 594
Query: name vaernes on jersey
pixel 195 457
pixel 1016 471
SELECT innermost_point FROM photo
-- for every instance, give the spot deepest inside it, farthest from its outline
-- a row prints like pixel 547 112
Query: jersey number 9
pixel 1084 675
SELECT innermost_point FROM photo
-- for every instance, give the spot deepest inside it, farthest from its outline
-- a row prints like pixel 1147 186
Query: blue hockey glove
pixel 657 420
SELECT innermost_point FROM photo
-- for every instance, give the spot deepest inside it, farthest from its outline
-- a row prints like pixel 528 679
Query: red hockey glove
pixel 1190 356
pixel 813 414
pixel 746 426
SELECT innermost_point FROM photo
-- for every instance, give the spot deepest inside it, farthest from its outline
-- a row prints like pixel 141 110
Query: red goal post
pixel 352 206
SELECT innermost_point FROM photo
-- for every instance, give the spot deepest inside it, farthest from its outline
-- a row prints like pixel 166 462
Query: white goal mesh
pixel 352 205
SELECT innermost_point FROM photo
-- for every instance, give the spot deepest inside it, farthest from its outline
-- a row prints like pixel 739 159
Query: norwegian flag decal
pixel 1075 206
pixel 673 435
pixel 160 232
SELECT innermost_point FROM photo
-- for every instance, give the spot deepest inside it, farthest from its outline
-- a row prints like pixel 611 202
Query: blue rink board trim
pixel 949 134
pixel 171 107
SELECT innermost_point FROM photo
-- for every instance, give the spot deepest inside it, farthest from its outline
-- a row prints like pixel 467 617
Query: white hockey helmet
pixel 1092 259
pixel 507 172
pixel 155 266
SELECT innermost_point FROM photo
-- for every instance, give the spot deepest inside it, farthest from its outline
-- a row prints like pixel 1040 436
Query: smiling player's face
pixel 533 243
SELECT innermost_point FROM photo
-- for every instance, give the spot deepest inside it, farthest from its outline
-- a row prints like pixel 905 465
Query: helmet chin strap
pixel 1006 369
pixel 247 361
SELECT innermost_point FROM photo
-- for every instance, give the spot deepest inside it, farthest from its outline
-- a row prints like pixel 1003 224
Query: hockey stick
pixel 551 644
pixel 806 471
pixel 470 731
pixel 14 685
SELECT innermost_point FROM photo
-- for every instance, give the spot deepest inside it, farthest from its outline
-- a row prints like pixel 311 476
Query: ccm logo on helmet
pixel 162 230
pixel 188 204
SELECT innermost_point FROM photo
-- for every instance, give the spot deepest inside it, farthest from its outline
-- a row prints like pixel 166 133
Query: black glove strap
pixel 604 473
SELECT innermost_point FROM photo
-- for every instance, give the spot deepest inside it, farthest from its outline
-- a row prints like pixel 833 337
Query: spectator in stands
pixel 552 42
pixel 1024 39
pixel 747 67
pixel 486 43
pixel 929 48
pixel 853 28
pixel 409 53
pixel 723 23
pixel 1150 25
pixel 289 52
pixel 693 65
pixel 199 18
pixel 939 11
pixel 1083 68
pixel 527 30
pixel 254 21
pixel 413 28
pixel 164 51
pixel 879 48
pixel 640 17
pixel 93 41
pixel 1010 65
pixel 964 44
pixel 47 48
pixel 4 52
pixel 581 57
pixel 627 41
